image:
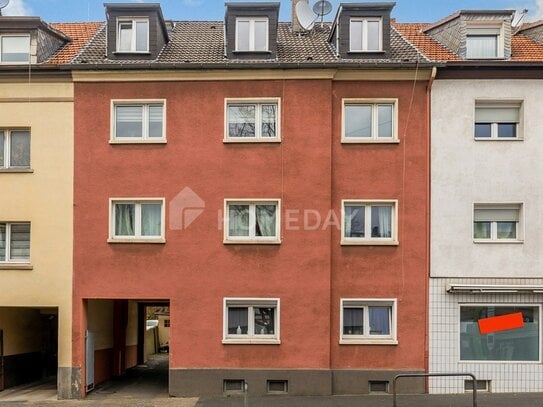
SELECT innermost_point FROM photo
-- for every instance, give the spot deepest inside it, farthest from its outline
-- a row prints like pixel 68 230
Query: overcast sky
pixel 405 10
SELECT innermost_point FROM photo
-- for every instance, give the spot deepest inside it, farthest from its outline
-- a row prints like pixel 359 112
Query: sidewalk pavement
pixel 463 400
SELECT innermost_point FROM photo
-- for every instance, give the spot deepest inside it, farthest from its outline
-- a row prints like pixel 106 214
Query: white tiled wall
pixel 444 339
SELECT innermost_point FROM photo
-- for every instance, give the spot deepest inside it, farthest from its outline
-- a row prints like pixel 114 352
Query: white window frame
pixel 29 49
pixel 145 139
pixel 252 239
pixel 493 224
pixel 374 119
pixel 502 304
pixel 251 338
pixel 9 260
pixel 137 238
pixel 500 104
pixel 7 149
pixel 492 25
pixel 365 21
pixel 132 20
pixel 258 102
pixel 368 240
pixel 368 339
pixel 251 21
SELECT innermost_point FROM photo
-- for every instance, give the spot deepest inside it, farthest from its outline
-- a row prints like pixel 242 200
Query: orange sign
pixel 501 323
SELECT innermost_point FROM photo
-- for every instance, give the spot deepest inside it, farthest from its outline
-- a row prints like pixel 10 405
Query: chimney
pixel 296 27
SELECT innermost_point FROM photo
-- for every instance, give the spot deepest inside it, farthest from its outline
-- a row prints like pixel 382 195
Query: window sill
pixel 251 52
pixel 369 243
pixel 373 51
pixel 504 241
pixel 132 141
pixel 527 362
pixel 498 138
pixel 355 140
pixel 132 53
pixel 344 341
pixel 139 241
pixel 251 341
pixel 229 241
pixel 16 266
pixel 250 140
pixel 16 170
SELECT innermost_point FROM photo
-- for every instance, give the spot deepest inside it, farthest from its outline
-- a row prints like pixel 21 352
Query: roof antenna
pixel 3 4
pixel 322 8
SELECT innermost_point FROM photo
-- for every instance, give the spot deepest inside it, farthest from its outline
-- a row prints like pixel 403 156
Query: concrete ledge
pixel 209 382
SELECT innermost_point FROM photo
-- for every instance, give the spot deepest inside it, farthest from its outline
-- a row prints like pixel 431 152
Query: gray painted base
pixel 210 382
pixel 69 383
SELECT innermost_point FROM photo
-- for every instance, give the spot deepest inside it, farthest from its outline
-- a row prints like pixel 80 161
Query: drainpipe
pixel 428 219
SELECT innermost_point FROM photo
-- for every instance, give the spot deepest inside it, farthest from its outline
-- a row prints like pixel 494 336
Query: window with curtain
pixel 139 122
pixel 133 35
pixel 497 121
pixel 137 220
pixel 483 43
pixel 256 221
pixel 368 121
pixel 492 222
pixel 521 344
pixel 365 35
pixel 370 320
pixel 14 242
pixel 251 320
pixel 252 121
pixel 251 34
pixel 15 149
pixel 14 49
pixel 367 222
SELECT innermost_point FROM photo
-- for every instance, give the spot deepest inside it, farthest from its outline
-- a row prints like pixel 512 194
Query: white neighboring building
pixel 487 217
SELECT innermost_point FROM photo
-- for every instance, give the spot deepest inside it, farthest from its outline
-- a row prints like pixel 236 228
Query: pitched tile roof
pixel 523 48
pixel 413 32
pixel 202 42
pixel 79 33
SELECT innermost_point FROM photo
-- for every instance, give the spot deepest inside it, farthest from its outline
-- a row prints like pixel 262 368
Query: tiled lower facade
pixel 445 339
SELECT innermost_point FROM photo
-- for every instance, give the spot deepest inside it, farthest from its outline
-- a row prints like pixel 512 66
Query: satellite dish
pixel 3 4
pixel 322 8
pixel 305 16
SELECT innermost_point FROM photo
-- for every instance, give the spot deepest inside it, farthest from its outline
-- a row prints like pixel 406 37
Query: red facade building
pixel 276 199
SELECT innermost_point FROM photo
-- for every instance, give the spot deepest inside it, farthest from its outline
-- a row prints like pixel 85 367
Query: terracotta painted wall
pixel 194 269
pixel 384 171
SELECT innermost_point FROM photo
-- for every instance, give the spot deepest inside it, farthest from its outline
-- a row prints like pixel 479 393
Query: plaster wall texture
pixel 466 171
pixel 43 198
pixel 22 330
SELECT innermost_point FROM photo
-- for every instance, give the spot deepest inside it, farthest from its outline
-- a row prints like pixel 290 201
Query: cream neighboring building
pixel 36 203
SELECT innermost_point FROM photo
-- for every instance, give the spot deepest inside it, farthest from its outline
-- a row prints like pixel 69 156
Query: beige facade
pixel 42 196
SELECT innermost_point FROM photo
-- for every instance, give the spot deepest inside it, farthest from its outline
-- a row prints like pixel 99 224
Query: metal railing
pixel 394 399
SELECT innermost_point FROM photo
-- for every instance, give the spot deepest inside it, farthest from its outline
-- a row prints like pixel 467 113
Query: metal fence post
pixel 394 399
pixel 246 395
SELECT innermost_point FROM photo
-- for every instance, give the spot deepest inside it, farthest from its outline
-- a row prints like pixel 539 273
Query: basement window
pixel 482 385
pixel 277 386
pixel 378 386
pixel 234 386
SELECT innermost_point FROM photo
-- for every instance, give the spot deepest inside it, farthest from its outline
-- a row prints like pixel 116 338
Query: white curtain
pixel 265 220
pixel 151 219
pixel 379 320
pixel 385 221
pixel 482 46
pixel 353 321
pixel 124 219
pixel 238 220
pixel 238 321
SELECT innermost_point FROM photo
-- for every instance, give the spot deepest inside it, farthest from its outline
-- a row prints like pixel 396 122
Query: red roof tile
pixel 412 32
pixel 79 33
pixel 525 49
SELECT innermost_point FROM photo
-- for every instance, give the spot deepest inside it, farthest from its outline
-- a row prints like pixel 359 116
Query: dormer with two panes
pixel 135 31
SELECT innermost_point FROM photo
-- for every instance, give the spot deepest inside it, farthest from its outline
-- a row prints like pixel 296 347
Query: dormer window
pixel 252 34
pixel 133 35
pixel 484 43
pixel 14 49
pixel 366 35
